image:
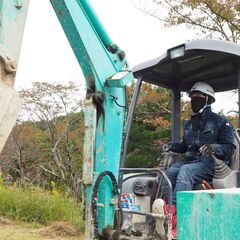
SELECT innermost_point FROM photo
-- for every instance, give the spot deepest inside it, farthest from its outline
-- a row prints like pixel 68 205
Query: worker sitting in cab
pixel 205 134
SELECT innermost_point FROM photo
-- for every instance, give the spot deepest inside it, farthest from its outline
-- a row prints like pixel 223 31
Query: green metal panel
pixel 97 24
pixel 12 23
pixel 209 215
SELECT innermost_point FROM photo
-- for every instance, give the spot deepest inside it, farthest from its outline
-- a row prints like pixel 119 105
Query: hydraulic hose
pixel 95 198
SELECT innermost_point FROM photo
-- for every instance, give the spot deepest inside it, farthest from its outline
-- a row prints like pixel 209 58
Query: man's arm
pixel 179 147
pixel 225 146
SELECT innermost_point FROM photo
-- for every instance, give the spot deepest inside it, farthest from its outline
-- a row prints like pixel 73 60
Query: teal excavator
pixel 117 200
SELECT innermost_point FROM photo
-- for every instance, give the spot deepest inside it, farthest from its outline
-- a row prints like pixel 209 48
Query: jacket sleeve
pixel 182 146
pixel 225 146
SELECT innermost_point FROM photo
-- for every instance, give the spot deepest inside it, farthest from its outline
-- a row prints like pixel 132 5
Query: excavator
pixel 118 200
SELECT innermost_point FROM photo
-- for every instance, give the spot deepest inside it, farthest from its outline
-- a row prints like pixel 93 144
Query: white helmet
pixel 203 88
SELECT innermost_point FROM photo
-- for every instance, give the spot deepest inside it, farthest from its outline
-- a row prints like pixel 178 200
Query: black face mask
pixel 197 103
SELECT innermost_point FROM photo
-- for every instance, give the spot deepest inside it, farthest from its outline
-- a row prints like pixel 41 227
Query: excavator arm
pixel 106 73
pixel 105 69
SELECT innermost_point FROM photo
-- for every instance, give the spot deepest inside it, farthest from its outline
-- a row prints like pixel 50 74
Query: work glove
pixel 167 147
pixel 207 150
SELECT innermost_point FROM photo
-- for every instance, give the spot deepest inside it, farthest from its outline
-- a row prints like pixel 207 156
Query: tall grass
pixel 38 205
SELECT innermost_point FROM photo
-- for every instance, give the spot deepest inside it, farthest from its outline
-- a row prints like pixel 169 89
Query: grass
pixel 39 206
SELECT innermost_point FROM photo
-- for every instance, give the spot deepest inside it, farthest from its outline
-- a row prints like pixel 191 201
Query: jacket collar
pixel 207 111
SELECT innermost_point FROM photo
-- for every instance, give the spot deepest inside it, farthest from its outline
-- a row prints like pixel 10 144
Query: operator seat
pixel 234 161
pixel 228 176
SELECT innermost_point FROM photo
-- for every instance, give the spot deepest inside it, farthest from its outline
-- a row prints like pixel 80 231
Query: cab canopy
pixel 211 61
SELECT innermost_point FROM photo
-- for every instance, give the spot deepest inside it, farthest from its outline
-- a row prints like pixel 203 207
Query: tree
pixel 154 107
pixel 45 103
pixel 11 156
pixel 213 18
pixel 152 125
pixel 48 139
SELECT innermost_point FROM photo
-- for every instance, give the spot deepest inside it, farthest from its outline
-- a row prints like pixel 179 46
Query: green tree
pixel 151 125
pixel 15 156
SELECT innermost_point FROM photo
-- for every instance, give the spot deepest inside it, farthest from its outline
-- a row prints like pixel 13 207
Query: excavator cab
pixel 210 61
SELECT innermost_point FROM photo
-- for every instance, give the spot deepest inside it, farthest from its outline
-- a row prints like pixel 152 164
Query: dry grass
pixel 5 221
pixel 60 229
pixel 10 230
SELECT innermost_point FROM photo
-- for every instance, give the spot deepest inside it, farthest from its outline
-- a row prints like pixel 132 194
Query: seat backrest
pixel 234 161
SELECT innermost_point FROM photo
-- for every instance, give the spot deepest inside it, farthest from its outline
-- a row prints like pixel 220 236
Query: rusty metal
pixel 90 116
pixel 89 141
pixel 19 3
pixel 10 66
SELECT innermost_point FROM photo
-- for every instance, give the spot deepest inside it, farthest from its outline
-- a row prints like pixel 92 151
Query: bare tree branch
pixel 49 171
pixel 210 17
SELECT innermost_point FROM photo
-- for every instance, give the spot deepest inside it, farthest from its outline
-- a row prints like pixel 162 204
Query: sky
pixel 47 56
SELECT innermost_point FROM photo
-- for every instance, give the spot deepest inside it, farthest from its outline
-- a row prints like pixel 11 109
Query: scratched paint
pixel 12 22
pixel 89 142
pixel 207 215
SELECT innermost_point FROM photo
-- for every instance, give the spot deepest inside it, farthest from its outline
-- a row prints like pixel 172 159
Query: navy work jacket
pixel 210 129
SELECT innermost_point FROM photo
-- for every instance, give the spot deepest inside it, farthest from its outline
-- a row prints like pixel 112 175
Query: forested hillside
pixel 46 143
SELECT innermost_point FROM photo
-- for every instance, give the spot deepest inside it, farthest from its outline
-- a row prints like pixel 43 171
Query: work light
pixel 176 52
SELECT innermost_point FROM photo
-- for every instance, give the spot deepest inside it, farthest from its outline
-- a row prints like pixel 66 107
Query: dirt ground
pixel 10 230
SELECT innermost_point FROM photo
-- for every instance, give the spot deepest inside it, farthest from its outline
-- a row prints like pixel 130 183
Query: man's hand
pixel 167 147
pixel 207 149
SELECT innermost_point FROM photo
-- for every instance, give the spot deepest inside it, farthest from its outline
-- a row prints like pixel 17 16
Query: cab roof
pixel 212 61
